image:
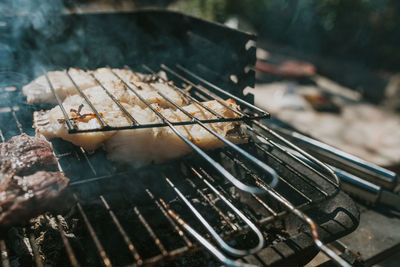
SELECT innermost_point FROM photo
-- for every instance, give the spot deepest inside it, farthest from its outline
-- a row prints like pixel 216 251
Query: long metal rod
pixel 35 250
pixel 204 242
pixel 150 231
pixel 106 261
pixel 149 125
pixel 19 125
pixel 212 162
pixel 67 245
pixel 123 233
pixel 218 239
pixel 2 139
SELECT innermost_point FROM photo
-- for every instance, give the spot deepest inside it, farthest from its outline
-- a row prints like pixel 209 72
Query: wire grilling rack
pixel 251 112
pixel 288 185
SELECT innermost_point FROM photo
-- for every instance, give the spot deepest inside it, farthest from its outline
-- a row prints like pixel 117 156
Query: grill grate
pixel 252 112
pixel 171 191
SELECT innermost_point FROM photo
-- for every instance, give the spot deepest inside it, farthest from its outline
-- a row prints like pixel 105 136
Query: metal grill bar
pixel 67 245
pixel 2 136
pixel 157 241
pixel 206 244
pixel 19 125
pixel 264 205
pixel 87 160
pixel 121 230
pixel 35 251
pixel 106 261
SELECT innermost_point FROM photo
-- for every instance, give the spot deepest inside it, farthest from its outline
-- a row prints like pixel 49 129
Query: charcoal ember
pixel 24 155
pixel 23 197
pixel 46 228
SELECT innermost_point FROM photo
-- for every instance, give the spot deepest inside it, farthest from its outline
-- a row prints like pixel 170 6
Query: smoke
pixel 18 20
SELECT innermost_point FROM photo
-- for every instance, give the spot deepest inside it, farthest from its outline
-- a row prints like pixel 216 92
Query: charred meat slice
pixel 24 155
pixel 23 197
pixel 29 182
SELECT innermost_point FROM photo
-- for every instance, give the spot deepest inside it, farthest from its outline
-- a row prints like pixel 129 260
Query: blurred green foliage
pixel 365 30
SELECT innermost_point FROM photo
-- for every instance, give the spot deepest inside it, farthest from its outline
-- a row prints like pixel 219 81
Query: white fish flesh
pixel 138 147
pixel 39 90
pixel 141 147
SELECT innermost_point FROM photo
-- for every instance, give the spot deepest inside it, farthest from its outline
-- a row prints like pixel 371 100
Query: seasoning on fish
pixel 136 146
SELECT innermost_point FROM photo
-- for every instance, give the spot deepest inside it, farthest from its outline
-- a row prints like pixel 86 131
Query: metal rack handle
pixel 236 182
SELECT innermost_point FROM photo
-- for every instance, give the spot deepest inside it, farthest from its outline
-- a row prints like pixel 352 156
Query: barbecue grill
pixel 250 203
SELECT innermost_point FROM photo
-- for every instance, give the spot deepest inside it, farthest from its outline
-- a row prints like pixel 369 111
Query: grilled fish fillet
pixel 39 90
pixel 155 145
pixel 139 146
